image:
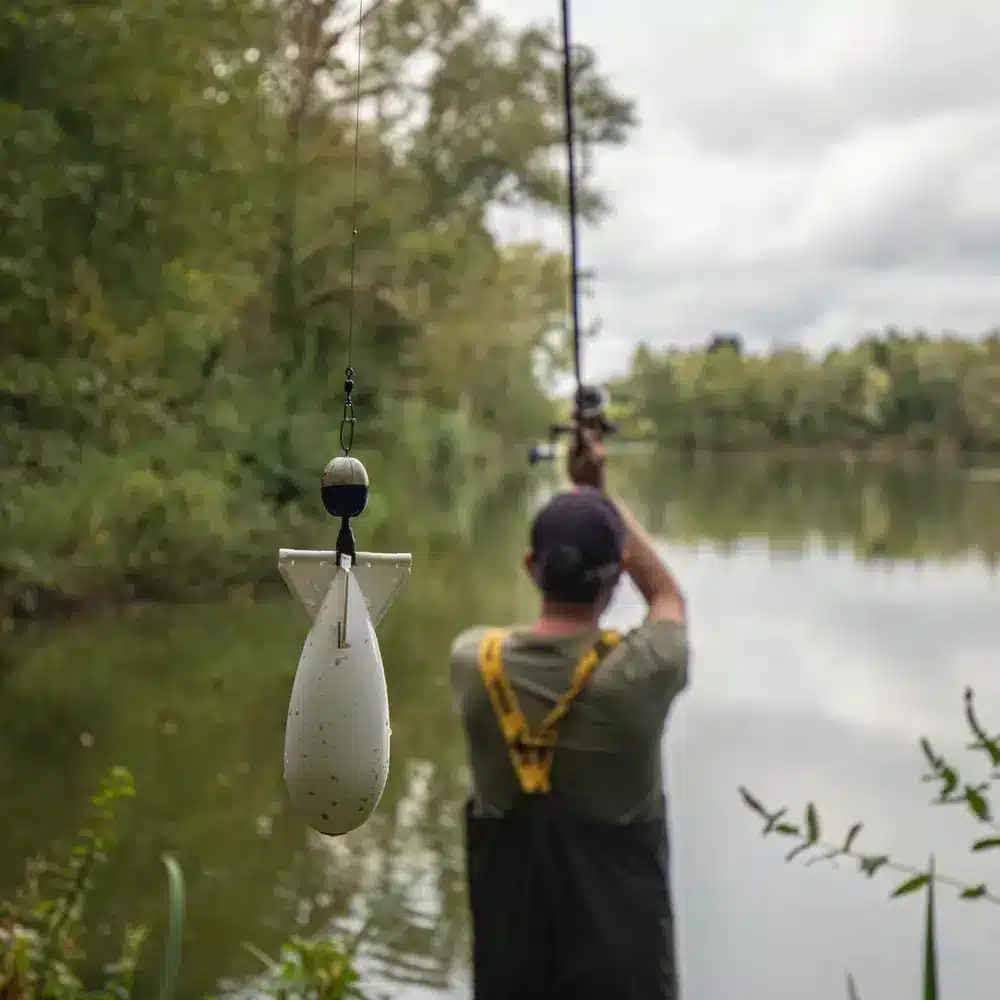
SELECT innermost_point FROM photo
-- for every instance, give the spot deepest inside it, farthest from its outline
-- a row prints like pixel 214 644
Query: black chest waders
pixel 563 908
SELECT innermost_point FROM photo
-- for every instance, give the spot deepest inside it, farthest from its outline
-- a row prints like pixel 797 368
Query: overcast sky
pixel 802 171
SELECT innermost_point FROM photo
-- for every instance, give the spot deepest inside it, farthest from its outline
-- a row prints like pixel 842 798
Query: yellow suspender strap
pixel 531 753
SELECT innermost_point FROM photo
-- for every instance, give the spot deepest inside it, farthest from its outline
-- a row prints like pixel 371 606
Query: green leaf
pixel 932 757
pixel 753 803
pixel 773 821
pixel 175 929
pixel 870 865
pixel 949 782
pixel 986 844
pixel 910 885
pixel 974 892
pixel 852 835
pixel 983 740
pixel 787 829
pixel 978 805
pixel 930 990
pixel 812 824
pixel 992 747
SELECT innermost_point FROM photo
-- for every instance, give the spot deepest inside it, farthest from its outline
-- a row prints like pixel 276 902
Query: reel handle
pixel 591 406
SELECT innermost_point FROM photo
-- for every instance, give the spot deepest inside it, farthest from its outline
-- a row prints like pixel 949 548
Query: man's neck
pixel 565 619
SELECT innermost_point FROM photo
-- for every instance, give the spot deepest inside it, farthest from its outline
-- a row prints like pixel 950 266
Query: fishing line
pixel 348 422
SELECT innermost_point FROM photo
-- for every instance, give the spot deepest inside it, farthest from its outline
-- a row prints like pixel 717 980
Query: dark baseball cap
pixel 577 540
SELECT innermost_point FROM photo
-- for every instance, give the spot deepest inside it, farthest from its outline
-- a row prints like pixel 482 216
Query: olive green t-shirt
pixel 608 759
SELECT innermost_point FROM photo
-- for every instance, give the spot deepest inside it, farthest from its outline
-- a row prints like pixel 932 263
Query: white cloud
pixel 802 172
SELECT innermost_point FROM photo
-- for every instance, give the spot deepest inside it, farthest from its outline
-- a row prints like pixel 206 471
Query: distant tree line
pixel 914 392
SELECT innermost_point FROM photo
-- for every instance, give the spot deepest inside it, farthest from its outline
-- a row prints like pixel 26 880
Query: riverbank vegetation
pixel 193 701
pixel 891 392
pixel 49 949
pixel 177 201
pixel 954 786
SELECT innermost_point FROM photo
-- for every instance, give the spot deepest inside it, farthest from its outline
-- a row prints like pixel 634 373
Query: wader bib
pixel 563 908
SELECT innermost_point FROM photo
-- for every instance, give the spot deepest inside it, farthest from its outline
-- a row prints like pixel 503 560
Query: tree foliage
pixel 179 186
pixel 914 392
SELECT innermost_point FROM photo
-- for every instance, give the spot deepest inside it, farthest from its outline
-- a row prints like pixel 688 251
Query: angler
pixel 566 827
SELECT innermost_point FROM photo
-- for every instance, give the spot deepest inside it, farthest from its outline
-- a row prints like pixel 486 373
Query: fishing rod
pixel 590 403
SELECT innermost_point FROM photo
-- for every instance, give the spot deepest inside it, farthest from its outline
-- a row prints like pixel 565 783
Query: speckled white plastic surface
pixel 337 732
pixel 309 574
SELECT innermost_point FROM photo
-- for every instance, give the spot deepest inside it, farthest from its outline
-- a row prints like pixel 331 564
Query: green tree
pixel 182 286
pixel 911 393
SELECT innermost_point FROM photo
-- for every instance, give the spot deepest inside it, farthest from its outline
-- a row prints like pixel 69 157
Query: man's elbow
pixel 668 606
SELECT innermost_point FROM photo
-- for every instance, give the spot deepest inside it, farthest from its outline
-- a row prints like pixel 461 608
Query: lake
pixel 837 613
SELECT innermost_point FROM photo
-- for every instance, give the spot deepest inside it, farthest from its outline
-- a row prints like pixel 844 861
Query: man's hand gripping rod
pixel 591 409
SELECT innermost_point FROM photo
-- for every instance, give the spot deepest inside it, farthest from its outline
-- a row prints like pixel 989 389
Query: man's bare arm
pixel 652 578
pixel 649 573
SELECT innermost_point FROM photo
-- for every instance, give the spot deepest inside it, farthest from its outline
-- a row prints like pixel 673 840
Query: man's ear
pixel 531 568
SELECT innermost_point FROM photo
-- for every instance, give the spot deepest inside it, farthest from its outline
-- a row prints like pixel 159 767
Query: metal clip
pixel 348 421
pixel 345 567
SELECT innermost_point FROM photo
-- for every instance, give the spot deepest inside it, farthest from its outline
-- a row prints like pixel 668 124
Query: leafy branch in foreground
pixel 953 789
pixel 41 928
pixel 312 969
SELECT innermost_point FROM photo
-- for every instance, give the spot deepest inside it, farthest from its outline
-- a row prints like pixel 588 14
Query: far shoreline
pixel 53 608
pixel 882 453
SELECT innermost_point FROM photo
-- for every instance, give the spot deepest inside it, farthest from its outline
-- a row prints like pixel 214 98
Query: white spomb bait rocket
pixel 337 732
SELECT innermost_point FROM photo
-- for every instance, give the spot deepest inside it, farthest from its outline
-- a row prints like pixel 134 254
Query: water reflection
pixel 876 512
pixel 812 681
pixel 814 673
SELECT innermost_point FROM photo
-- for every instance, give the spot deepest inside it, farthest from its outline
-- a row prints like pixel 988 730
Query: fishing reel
pixel 592 403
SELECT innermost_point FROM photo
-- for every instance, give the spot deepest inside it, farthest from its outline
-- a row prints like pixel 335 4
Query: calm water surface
pixel 837 614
